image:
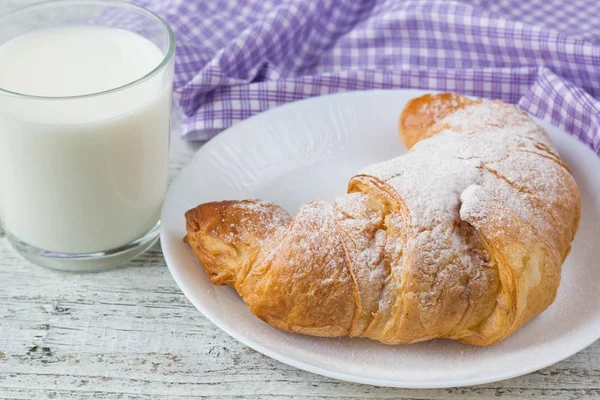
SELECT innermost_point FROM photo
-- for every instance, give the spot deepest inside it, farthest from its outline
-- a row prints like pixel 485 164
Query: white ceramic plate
pixel 308 150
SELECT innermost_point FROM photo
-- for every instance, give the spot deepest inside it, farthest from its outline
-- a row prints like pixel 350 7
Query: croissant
pixel 462 238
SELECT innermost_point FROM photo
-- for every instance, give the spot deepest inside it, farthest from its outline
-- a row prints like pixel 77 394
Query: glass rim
pixel 168 57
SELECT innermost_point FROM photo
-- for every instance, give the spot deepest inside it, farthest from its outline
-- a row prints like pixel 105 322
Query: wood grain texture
pixel 130 333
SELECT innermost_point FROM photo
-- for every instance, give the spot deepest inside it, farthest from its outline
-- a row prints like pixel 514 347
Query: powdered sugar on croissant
pixel 463 237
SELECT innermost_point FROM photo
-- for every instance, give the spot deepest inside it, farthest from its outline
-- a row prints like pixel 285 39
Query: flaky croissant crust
pixel 463 237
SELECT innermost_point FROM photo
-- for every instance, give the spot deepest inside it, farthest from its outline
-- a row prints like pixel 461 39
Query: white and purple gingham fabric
pixel 237 58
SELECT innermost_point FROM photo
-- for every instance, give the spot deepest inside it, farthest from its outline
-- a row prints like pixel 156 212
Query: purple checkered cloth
pixel 238 58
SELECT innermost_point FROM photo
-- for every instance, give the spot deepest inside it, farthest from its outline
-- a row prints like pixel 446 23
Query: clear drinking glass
pixel 83 176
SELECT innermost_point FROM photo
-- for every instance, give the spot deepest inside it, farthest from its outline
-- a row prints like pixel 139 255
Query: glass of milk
pixel 85 101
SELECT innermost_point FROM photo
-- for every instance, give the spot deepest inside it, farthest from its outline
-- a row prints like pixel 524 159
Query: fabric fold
pixel 559 101
pixel 236 59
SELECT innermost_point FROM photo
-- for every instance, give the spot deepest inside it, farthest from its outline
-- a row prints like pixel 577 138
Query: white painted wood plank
pixel 130 333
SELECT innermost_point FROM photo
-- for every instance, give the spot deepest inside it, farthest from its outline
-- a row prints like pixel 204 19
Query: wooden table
pixel 130 333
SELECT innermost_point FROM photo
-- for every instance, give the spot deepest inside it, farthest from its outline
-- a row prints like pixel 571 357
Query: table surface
pixel 130 333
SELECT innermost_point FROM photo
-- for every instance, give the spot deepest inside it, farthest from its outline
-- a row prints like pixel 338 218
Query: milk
pixel 86 174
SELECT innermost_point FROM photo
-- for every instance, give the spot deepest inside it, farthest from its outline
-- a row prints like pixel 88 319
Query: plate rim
pixel 348 377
